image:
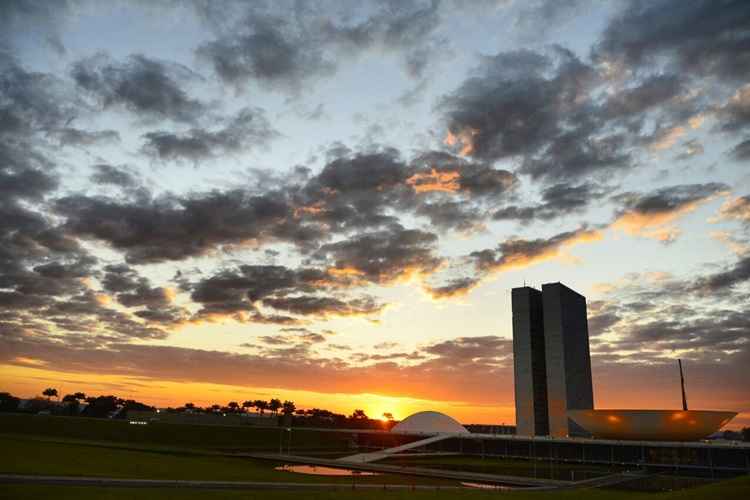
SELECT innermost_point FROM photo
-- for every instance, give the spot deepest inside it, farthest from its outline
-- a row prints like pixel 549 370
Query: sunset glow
pixel 329 203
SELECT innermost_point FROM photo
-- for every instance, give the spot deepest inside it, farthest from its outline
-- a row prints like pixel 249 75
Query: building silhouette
pixel 529 364
pixel 551 360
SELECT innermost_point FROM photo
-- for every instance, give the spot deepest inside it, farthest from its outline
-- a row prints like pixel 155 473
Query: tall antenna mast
pixel 682 384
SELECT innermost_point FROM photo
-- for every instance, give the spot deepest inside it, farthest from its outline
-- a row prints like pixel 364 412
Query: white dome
pixel 429 422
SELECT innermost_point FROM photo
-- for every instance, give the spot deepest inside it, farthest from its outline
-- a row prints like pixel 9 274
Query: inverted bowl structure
pixel 651 425
pixel 429 422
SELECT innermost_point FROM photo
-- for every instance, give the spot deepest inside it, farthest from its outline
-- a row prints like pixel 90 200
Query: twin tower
pixel 552 363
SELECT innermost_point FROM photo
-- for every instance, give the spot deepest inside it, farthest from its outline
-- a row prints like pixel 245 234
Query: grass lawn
pixel 734 488
pixel 512 467
pixel 216 437
pixel 23 455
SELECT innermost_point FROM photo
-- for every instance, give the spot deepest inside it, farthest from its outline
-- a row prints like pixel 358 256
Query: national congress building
pixel 551 359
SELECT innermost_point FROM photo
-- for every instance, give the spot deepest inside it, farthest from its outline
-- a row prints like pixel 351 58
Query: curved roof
pixel 651 425
pixel 429 422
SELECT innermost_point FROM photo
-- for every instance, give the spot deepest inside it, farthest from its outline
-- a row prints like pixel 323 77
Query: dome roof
pixel 429 422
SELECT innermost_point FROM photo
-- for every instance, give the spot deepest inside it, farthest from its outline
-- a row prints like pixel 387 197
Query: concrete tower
pixel 551 359
pixel 568 361
pixel 530 375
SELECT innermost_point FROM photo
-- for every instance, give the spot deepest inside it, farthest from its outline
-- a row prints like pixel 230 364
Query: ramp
pixel 379 455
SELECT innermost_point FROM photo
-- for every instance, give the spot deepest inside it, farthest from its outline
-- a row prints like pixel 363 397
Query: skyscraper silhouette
pixel 552 362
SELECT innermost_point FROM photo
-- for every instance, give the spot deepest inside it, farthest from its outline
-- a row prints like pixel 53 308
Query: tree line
pixel 79 404
pixel 71 404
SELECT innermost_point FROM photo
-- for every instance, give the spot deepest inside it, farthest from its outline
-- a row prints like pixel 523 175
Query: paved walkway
pixel 218 485
pixel 472 477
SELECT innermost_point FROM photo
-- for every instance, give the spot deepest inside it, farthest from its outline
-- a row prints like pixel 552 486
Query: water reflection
pixel 485 486
pixel 324 471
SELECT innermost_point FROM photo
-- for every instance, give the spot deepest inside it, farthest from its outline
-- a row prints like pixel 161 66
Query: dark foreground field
pixel 735 488
pixel 51 446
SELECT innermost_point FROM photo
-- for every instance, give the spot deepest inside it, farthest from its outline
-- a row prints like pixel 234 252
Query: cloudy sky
pixel 330 201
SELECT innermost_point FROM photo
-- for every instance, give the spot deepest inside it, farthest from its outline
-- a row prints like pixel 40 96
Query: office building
pixel 568 361
pixel 551 359
pixel 529 362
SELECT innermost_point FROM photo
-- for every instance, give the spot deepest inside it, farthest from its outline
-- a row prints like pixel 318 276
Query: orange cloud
pixel 735 209
pixel 513 254
pixel 435 181
pixel 553 250
pixel 656 223
pixel 464 137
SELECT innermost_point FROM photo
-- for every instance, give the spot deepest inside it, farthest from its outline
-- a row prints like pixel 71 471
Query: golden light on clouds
pixel 737 208
pixel 435 181
pixel 657 224
pixel 521 260
pixel 464 138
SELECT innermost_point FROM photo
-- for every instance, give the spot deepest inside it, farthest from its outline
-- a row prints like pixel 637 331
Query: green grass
pixel 22 455
pixel 731 489
pixel 504 466
pixel 217 437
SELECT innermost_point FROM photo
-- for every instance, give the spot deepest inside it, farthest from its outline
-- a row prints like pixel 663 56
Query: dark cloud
pixel 324 306
pixel 69 136
pixel 511 107
pixel 734 116
pixel 149 88
pixel 248 129
pixel 463 350
pixel 282 51
pixel 557 200
pixel 652 214
pixel 119 278
pixel 116 176
pixel 652 91
pixel 31 101
pixel 521 252
pixel 151 229
pixel 383 256
pixel 699 37
pixel 669 199
pixel 579 153
pixel 454 287
pixel 237 293
pixel 741 151
pixel 724 281
pixel 464 274
pixel 269 50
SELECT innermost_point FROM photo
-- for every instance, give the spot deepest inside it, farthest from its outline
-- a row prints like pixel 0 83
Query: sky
pixel 330 202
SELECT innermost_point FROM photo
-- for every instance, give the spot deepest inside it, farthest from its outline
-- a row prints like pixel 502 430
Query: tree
pixel 49 392
pixel 288 407
pixel 233 406
pixel 248 404
pixel 274 405
pixel 189 406
pixel 261 405
pixel 746 434
pixel 359 415
pixel 388 416
pixel 79 396
pixel 69 398
pixel 8 402
pixel 101 406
